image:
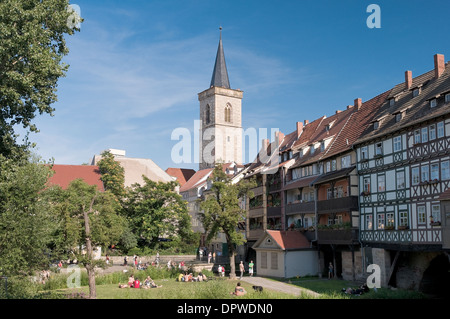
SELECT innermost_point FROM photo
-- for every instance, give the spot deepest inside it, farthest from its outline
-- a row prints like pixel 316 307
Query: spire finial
pixel 220 28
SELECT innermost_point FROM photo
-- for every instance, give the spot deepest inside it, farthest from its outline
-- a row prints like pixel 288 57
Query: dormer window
pixel 376 125
pixel 447 98
pixel 312 149
pixel 398 117
pixel 433 103
pixel 416 92
pixel 391 102
pixel 322 146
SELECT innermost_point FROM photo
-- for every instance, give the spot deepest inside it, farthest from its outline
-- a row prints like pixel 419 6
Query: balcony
pixel 307 207
pixel 258 190
pixel 274 211
pixel 349 203
pixel 255 234
pixel 345 236
pixel 256 211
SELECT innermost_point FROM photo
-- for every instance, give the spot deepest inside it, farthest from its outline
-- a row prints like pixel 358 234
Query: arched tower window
pixel 208 114
pixel 228 113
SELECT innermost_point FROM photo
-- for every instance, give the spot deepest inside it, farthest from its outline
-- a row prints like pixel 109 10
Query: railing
pixel 338 236
pixel 337 204
pixel 307 207
pixel 257 190
pixel 255 233
pixel 273 211
pixel 257 211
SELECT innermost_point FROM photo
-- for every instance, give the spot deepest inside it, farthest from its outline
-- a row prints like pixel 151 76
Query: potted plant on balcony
pixel 389 227
pixel 403 227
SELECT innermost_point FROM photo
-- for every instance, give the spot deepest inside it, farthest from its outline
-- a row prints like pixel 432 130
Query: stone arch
pixel 436 278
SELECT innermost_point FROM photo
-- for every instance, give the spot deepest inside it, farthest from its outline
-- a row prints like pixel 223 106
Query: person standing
pixel 209 257
pixel 250 268
pixel 330 270
pixel 242 269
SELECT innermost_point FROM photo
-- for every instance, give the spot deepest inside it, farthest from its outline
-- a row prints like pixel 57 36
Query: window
pixel 415 175
pixel 380 221
pixel 390 219
pixel 364 153
pixel 366 184
pixel 397 143
pixel 228 113
pixel 274 260
pixel 328 167
pixel 445 170
pixel 434 171
pixel 432 132
pixel 436 213
pixel 416 92
pixel 425 173
pixel 329 193
pixel 381 183
pixel 398 117
pixel 345 161
pixel 403 218
pixel 447 97
pixel 301 152
pixel 208 114
pixel 391 102
pixel 333 165
pixel 416 136
pixel 400 178
pixel 264 260
pixel 368 222
pixel 421 215
pixel 340 192
pixel 376 125
pixel 424 134
pixel 312 149
pixel 440 129
pixel 433 103
pixel 379 149
pixel 322 146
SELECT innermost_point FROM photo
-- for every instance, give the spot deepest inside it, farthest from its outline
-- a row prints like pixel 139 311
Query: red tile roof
pixel 181 174
pixel 195 179
pixel 289 239
pixel 64 174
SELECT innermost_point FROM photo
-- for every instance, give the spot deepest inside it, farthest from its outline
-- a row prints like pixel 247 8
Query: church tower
pixel 221 118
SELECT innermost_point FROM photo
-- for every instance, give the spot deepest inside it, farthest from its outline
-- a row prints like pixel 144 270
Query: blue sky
pixel 136 67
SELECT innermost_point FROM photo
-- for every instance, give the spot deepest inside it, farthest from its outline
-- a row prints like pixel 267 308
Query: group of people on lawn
pixel 135 283
pixel 189 277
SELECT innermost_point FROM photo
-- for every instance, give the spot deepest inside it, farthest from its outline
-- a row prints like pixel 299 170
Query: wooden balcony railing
pixel 307 207
pixel 337 205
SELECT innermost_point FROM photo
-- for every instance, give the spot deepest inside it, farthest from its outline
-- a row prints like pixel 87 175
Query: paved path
pixel 279 286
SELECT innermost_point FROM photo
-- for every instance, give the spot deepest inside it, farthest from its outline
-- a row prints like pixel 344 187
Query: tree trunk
pixel 89 266
pixel 232 253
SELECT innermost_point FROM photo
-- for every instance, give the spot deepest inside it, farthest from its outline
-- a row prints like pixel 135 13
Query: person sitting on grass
pixel 131 281
pixel 149 283
pixel 123 286
pixel 238 290
pixel 136 283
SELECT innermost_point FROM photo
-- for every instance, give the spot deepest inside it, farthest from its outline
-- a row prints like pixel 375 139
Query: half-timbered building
pixel 403 165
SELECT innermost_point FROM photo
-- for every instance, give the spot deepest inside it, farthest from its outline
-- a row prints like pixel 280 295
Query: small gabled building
pixel 285 254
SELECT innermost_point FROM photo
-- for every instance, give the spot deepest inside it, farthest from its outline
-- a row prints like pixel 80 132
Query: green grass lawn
pixel 172 289
pixel 333 289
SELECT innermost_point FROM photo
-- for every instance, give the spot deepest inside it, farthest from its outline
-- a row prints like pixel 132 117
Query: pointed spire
pixel 220 73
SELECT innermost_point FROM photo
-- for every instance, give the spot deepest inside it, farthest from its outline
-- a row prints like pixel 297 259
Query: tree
pixel 155 211
pixel 31 52
pixel 87 217
pixel 221 211
pixel 26 224
pixel 113 174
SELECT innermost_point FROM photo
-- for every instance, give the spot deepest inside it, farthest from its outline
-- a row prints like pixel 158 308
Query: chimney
pixel 349 107
pixel 338 111
pixel 439 65
pixel 299 128
pixel 279 137
pixel 306 122
pixel 408 79
pixel 265 144
pixel 358 103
